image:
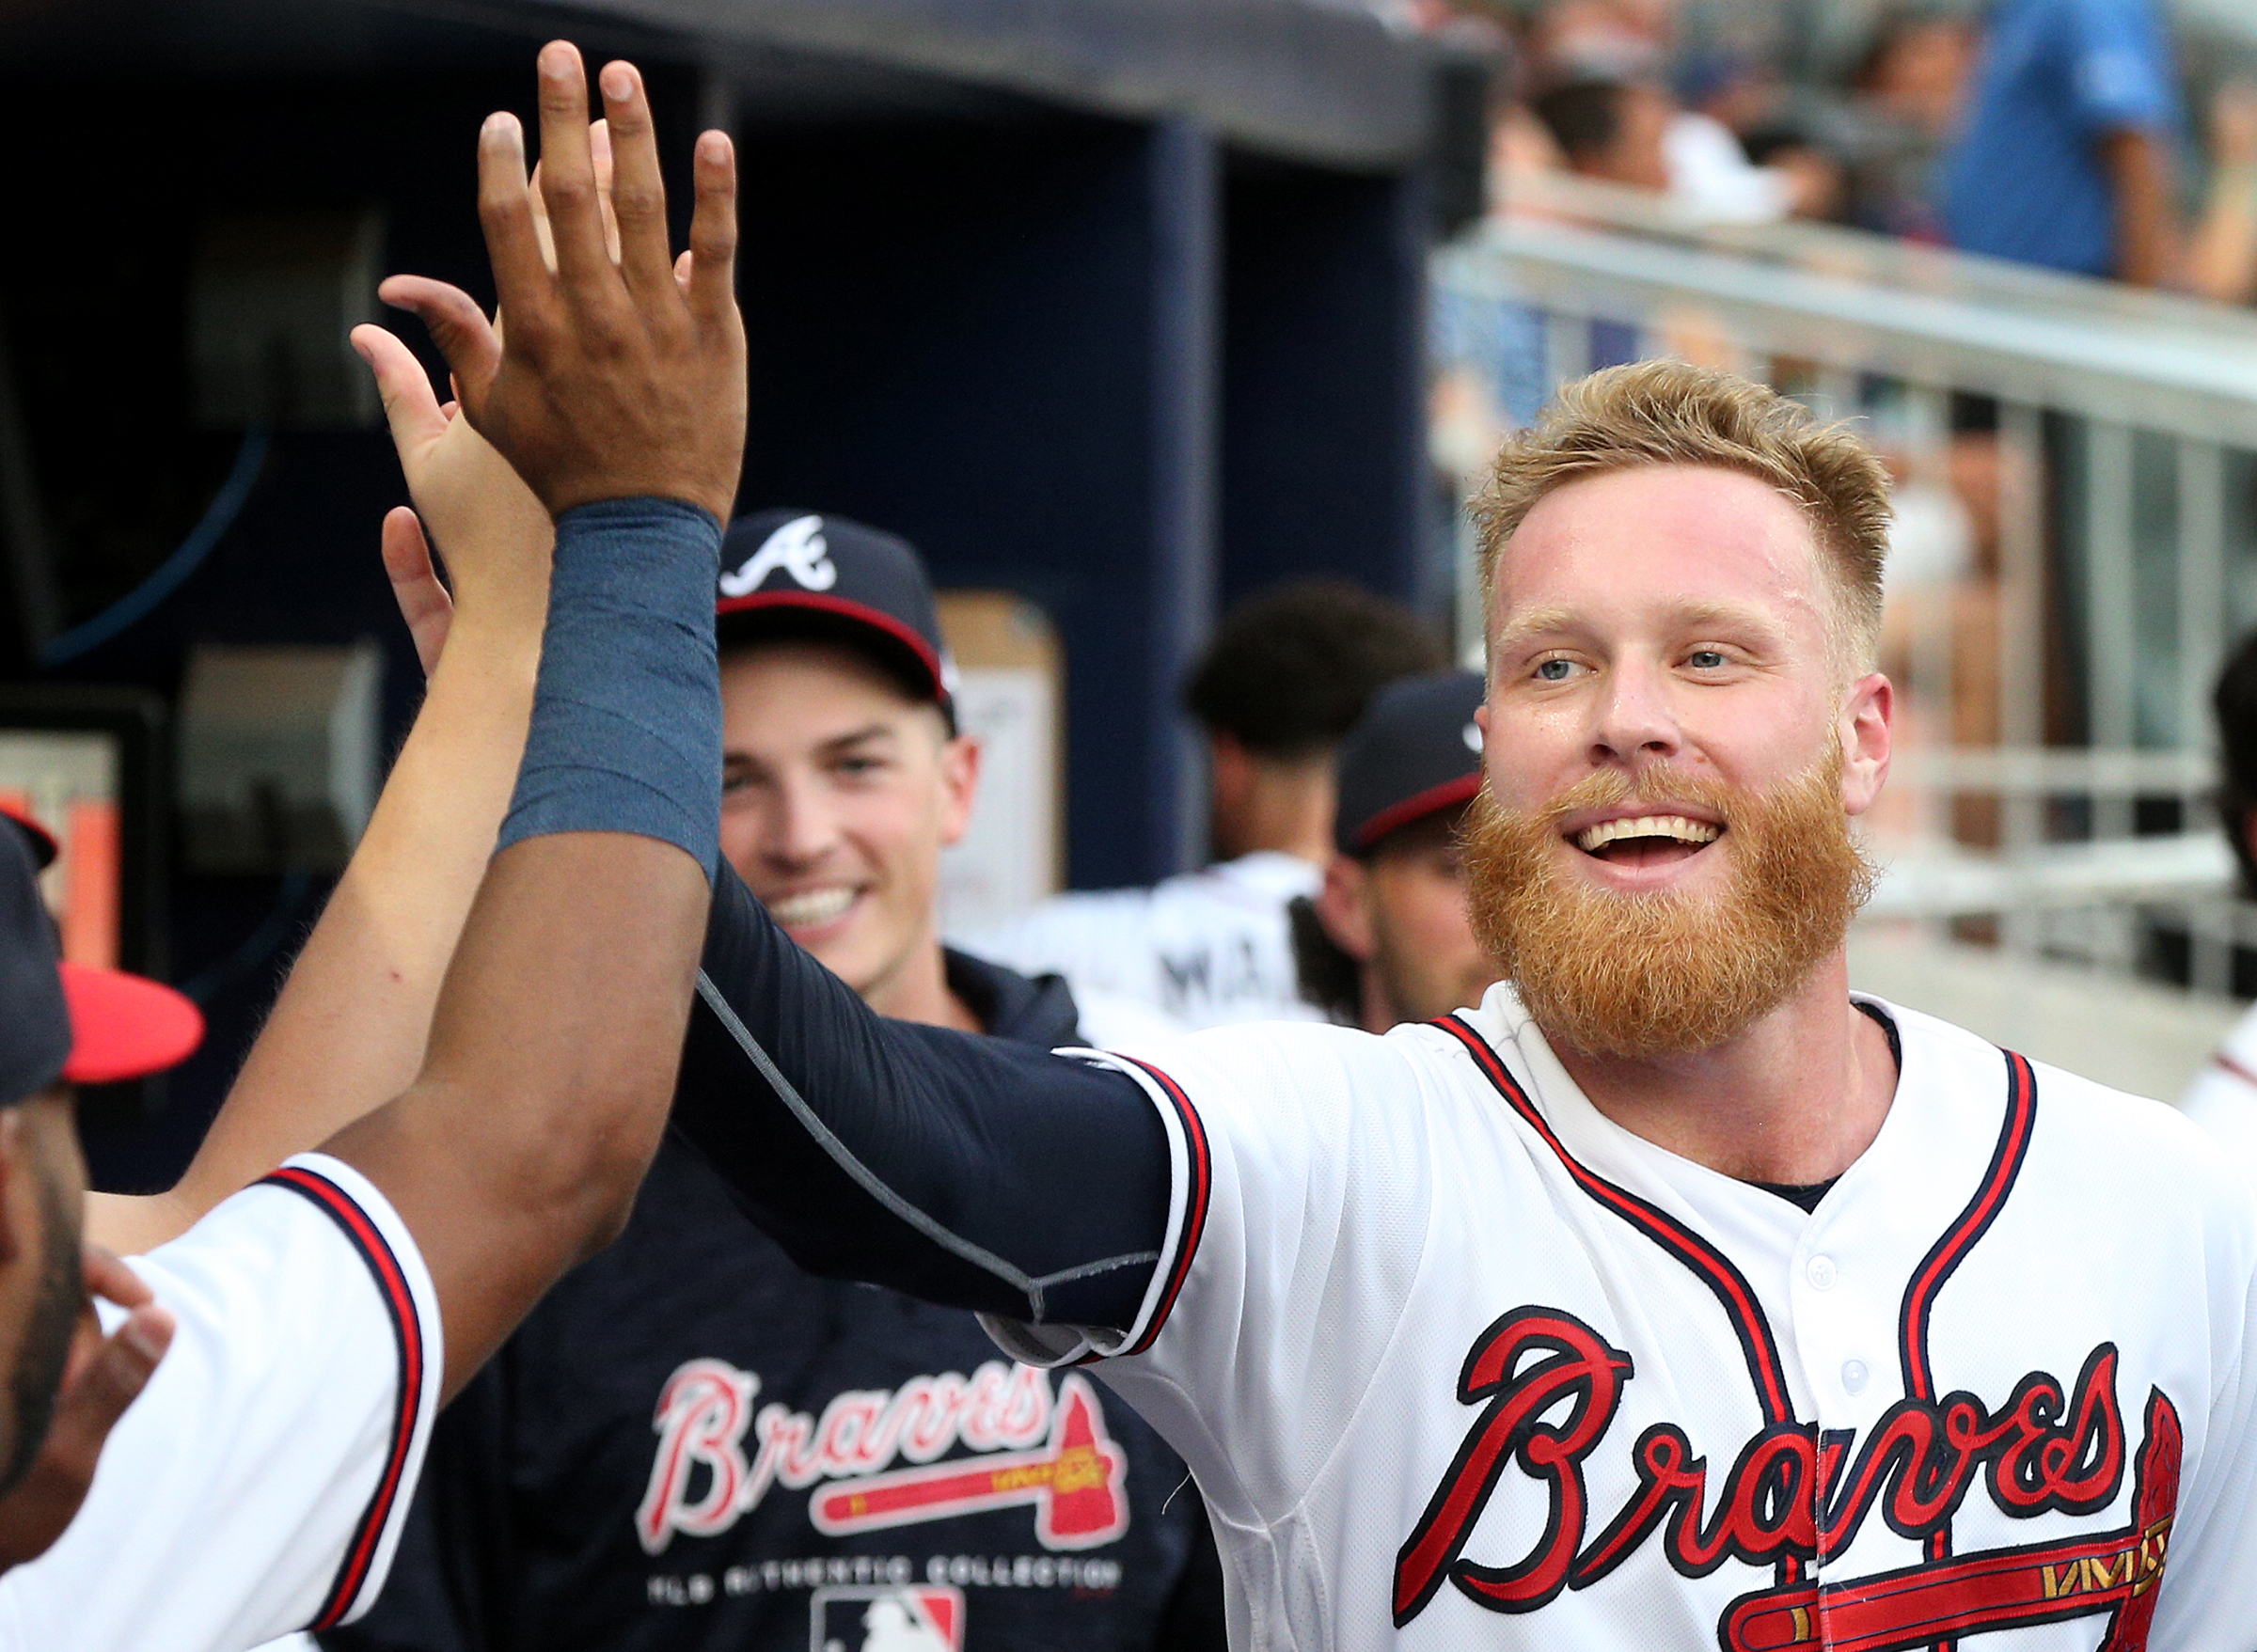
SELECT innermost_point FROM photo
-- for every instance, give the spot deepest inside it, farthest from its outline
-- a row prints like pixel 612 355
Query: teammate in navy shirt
pixel 694 1443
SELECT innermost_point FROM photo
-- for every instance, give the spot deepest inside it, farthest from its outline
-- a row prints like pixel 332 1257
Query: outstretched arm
pixel 970 1172
pixel 349 1030
pixel 619 397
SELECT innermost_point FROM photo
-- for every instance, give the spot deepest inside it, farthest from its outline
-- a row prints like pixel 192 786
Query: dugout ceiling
pixel 1322 82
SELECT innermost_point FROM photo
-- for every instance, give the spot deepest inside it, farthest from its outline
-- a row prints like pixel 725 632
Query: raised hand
pixel 610 380
pixel 494 533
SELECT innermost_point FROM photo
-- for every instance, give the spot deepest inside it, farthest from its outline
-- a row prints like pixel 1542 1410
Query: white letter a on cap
pixel 799 548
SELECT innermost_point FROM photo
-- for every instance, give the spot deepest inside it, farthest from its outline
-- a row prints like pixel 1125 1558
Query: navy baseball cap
pixel 798 573
pixel 68 1021
pixel 1415 752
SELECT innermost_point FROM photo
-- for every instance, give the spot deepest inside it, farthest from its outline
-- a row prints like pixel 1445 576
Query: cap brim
pixel 125 1026
pixel 905 636
pixel 42 841
pixel 1433 800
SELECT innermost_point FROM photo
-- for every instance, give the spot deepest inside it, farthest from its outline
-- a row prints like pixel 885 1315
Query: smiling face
pixel 1676 736
pixel 839 792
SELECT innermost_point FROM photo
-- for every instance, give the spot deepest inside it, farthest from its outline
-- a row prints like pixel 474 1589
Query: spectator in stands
pixel 2223 1097
pixel 2067 156
pixel 1630 130
pixel 2221 254
pixel 1387 938
pixel 1909 90
pixel 1287 676
pixel 1611 130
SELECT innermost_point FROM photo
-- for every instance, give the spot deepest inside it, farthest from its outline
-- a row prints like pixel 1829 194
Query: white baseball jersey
pixel 258 1485
pixel 1459 1362
pixel 1204 949
pixel 2224 1096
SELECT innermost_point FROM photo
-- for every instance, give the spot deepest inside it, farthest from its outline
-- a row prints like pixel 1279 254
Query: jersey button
pixel 1852 1376
pixel 1821 1273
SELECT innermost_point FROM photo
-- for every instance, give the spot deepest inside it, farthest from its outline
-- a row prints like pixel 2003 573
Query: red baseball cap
pixel 71 1021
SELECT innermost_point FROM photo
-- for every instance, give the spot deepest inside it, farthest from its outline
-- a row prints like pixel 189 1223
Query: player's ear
pixel 1342 907
pixel 960 757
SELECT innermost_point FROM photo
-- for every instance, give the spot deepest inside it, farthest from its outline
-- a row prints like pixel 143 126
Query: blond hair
pixel 1673 412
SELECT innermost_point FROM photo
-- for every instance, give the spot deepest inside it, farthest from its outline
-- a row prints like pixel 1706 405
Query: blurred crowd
pixel 2080 136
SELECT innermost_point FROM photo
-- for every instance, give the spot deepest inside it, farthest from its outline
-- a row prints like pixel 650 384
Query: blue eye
pixel 1705 659
pixel 1554 671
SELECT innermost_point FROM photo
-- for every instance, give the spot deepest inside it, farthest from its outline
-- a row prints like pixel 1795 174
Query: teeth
pixel 1592 839
pixel 810 908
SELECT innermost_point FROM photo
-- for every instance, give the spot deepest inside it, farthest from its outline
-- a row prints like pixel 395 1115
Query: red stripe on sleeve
pixel 1195 1215
pixel 407 1331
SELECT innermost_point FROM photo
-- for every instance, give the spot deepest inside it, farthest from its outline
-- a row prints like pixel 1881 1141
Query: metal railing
pixel 2095 446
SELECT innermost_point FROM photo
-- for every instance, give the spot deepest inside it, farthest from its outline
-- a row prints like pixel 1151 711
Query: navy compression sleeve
pixel 970 1172
pixel 626 730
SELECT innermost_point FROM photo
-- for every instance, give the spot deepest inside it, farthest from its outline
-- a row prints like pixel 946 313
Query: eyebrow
pixel 857 736
pixel 835 743
pixel 1546 622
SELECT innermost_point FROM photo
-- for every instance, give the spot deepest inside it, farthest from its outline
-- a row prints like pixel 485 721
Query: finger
pixel 713 230
pixel 456 326
pixel 568 178
pixel 112 1380
pixel 410 406
pixel 682 271
pixel 541 229
pixel 424 603
pixel 505 213
pixel 638 191
pixel 113 1281
pixel 599 149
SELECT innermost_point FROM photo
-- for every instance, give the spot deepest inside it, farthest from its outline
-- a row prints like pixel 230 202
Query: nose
pixel 801 828
pixel 1632 722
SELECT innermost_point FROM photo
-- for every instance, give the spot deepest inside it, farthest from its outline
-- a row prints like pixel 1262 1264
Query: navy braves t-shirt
pixel 693 1445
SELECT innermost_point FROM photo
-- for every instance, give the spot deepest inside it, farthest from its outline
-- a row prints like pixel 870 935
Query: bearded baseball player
pixel 317 1318
pixel 1675 1296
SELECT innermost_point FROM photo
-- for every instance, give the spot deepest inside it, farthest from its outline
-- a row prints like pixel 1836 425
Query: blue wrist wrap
pixel 627 732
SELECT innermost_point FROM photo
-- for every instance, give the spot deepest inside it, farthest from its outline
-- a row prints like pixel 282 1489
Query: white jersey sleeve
pixel 258 1486
pixel 1296 1227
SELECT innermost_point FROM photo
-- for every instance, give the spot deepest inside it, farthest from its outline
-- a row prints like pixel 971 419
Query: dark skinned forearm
pixel 552 1058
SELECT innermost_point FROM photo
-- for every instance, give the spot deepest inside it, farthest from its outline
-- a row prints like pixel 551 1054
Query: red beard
pixel 1667 973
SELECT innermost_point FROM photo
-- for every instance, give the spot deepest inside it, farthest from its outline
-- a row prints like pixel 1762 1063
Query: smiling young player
pixel 1675 1297
pixel 692 1444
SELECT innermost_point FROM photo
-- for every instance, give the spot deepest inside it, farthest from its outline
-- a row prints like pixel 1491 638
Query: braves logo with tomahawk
pixel 1028 1449
pixel 1553 1387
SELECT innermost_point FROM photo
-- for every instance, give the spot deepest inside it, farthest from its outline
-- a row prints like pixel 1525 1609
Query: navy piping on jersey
pixel 1706 1263
pixel 408 1337
pixel 1194 1210
pixel 1958 1240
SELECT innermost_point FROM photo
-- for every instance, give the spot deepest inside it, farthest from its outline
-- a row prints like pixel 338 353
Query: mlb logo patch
pixel 903 1617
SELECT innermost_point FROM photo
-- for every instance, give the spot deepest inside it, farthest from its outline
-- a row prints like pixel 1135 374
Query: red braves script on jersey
pixel 1029 1450
pixel 1458 1361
